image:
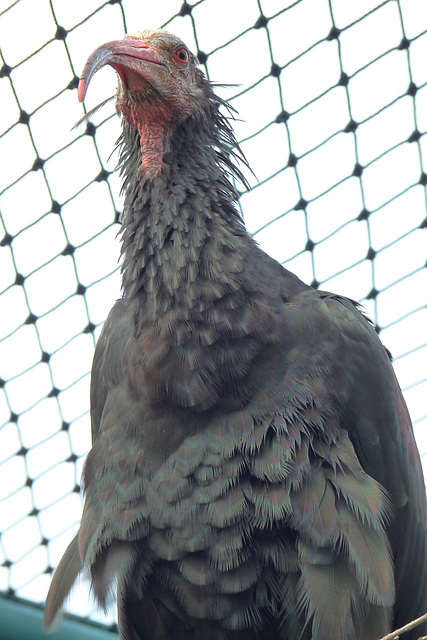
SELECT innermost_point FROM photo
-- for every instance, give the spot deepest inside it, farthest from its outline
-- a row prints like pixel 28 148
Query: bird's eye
pixel 181 55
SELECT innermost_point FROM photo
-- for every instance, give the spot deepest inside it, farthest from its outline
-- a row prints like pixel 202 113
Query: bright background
pixel 333 104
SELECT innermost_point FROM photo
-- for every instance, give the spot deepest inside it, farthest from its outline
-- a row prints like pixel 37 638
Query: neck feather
pixel 199 313
pixel 183 240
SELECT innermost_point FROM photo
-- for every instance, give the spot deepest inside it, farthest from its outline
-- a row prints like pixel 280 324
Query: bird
pixel 254 473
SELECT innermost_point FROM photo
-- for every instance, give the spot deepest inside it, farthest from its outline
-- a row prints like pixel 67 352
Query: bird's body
pixel 254 473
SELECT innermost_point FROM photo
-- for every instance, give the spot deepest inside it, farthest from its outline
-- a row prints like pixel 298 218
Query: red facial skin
pixel 154 75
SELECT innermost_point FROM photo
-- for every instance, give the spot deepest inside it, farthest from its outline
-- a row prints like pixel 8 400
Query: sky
pixel 297 93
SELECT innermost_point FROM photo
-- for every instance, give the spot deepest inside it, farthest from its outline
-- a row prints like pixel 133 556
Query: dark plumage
pixel 254 474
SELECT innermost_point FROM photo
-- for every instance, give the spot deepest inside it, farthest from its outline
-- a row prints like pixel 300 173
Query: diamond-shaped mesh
pixel 333 101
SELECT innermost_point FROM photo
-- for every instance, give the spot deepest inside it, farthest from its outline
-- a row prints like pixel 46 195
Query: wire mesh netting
pixel 333 100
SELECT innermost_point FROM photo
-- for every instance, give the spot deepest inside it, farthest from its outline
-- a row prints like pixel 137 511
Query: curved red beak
pixel 131 54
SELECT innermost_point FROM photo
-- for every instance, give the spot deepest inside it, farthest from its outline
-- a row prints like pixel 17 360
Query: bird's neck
pixel 192 293
pixel 155 126
pixel 183 240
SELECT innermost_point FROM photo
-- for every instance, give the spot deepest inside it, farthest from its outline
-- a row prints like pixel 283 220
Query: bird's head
pixel 160 86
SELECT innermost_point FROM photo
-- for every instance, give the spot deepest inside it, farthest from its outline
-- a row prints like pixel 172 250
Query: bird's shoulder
pixel 107 360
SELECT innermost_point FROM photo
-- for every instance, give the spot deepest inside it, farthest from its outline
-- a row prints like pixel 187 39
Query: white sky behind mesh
pixel 72 163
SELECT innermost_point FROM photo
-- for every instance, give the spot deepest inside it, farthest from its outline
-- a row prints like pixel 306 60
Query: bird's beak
pixel 132 59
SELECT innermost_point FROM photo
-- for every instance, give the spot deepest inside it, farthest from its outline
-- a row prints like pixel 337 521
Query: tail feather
pixel 62 582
